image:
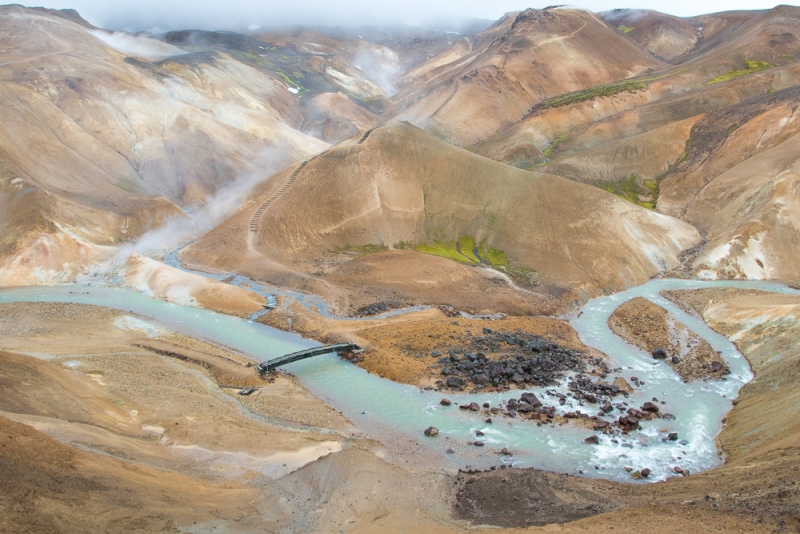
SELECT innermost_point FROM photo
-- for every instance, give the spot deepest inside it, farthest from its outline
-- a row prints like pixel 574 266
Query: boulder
pixel 531 399
pixel 454 382
pixel 645 472
pixel 649 407
pixel 473 406
pixel 660 353
pixel 592 440
pixel 672 436
pixel 431 431
pixel 445 402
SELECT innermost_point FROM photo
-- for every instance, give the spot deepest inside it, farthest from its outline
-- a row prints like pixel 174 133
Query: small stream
pixel 396 414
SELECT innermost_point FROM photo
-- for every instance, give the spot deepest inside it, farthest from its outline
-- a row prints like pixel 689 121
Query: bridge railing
pixel 265 367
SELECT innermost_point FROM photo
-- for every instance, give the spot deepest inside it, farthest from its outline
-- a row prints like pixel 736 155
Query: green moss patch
pixel 598 91
pixel 625 29
pixel 463 251
pixel 631 191
pixel 750 66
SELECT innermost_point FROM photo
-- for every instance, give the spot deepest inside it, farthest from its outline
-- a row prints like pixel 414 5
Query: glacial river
pixel 396 414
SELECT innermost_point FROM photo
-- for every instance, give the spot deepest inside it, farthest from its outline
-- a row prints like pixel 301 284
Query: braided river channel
pixel 396 414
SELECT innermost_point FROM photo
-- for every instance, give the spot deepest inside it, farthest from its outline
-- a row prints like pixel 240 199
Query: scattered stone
pixel 431 431
pixel 445 402
pixel 435 353
pixel 649 407
pixel 677 470
pixel 676 360
pixel 486 404
pixel 672 436
pixel 591 440
pixel 660 353
pixel 454 382
pixel 488 421
pixel 636 475
pixel 646 472
pixel 606 408
pixel 505 452
pixel 668 417
pixel 478 433
pixel 478 444
pixel 716 366
pixel 474 407
pixel 450 451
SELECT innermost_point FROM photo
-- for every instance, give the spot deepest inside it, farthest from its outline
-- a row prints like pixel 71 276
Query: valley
pixel 564 243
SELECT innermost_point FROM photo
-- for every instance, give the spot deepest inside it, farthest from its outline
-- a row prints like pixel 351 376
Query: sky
pixel 136 15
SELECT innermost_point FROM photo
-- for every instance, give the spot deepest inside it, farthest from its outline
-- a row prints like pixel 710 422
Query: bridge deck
pixel 269 365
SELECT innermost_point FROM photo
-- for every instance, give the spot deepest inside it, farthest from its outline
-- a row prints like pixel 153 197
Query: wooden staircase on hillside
pixel 282 190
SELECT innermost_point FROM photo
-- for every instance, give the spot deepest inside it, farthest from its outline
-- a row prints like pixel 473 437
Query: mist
pixel 179 231
pixel 138 46
pixel 244 15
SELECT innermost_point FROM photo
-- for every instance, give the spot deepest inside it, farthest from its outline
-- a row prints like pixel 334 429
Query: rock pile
pixel 533 361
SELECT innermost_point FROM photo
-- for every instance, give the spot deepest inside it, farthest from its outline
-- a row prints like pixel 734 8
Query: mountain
pixel 388 197
pixel 491 80
pixel 99 146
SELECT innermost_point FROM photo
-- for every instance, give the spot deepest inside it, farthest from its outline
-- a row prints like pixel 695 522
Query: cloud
pixel 137 15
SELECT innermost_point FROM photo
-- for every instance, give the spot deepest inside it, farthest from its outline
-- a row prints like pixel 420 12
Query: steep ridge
pixel 403 189
pixel 493 79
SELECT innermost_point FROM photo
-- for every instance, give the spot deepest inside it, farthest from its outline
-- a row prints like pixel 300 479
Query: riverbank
pixel 78 378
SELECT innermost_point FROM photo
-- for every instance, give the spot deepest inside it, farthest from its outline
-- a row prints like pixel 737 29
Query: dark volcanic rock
pixel 445 402
pixel 649 407
pixel 591 440
pixel 659 353
pixel 454 382
pixel 531 399
pixel 432 431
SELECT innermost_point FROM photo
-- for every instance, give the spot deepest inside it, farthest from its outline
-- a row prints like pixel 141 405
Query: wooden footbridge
pixel 265 367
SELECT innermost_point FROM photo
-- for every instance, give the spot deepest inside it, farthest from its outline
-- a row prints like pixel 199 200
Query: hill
pixel 398 188
pixel 101 143
pixel 492 80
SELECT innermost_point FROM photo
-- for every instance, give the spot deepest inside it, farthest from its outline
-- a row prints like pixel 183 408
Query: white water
pixel 396 414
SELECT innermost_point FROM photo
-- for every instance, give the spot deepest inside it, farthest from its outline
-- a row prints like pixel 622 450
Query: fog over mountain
pixel 212 14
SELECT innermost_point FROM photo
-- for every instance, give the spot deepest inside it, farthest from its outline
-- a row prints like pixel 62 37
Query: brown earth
pixel 649 326
pixel 493 79
pixel 403 188
pixel 665 36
